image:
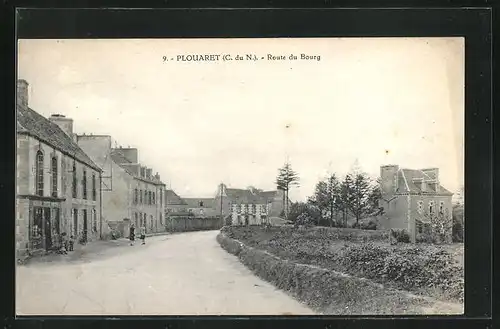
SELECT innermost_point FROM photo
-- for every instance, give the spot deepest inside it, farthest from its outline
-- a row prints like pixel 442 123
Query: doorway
pixel 75 223
pixel 85 226
pixel 47 228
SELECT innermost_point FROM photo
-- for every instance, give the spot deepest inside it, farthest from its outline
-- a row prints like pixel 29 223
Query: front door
pixel 47 228
pixel 85 226
pixel 37 229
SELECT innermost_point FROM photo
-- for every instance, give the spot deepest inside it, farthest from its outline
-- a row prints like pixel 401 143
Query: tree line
pixel 335 199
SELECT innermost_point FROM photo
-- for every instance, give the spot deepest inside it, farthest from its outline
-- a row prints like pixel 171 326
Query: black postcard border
pixel 473 23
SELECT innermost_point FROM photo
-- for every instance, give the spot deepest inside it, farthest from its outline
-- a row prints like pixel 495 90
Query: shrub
pixel 400 236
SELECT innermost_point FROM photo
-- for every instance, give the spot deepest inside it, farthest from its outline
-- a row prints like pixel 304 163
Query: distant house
pixel 249 206
pixel 174 204
pixel 411 197
pixel 131 192
pixel 201 207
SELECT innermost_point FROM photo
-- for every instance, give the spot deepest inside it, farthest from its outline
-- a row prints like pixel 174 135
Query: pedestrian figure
pixel 131 235
pixel 143 234
pixel 71 243
pixel 64 244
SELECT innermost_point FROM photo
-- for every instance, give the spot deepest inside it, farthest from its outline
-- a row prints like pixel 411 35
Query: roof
pixel 173 199
pixel 247 196
pixel 31 123
pixel 123 162
pixel 195 202
pixel 407 184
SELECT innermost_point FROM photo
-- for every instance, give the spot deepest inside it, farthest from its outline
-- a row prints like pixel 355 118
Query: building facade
pixel 201 207
pixel 131 192
pixel 58 185
pixel 249 206
pixel 412 197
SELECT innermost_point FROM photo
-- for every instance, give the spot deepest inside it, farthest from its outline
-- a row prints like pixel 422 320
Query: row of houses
pixel 77 184
pixel 84 187
pixel 249 206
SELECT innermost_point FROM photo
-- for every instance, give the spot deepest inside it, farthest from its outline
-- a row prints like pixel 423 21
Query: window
pixel 161 219
pixel 136 196
pixel 75 222
pixel 84 184
pixel 431 207
pixel 238 208
pixel 136 218
pixel 441 207
pixel 75 182
pixel 420 207
pixel 39 173
pixel 201 203
pixel 140 196
pixel 161 197
pixel 150 197
pixel 154 198
pixel 94 191
pixel 263 209
pixel 54 176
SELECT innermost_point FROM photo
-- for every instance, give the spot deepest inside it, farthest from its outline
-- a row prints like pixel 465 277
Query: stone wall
pixel 185 224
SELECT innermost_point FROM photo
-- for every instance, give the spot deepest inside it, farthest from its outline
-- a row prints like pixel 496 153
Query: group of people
pixel 67 244
pixel 132 234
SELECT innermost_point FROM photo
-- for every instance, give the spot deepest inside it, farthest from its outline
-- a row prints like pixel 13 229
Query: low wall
pixel 185 224
pixel 325 290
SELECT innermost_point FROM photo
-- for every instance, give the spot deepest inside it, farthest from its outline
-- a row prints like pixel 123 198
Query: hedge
pixel 322 289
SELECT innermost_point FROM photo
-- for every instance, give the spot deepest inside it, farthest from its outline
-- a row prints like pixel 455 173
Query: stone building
pixel 201 207
pixel 131 192
pixel 58 185
pixel 411 197
pixel 175 205
pixel 249 206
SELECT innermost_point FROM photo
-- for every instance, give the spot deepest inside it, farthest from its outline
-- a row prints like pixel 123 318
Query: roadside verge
pixel 331 292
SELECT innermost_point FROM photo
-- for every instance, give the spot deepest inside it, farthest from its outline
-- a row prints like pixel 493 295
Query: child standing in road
pixel 143 234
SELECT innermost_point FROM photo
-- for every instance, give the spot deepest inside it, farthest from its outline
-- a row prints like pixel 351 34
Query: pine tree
pixel 286 179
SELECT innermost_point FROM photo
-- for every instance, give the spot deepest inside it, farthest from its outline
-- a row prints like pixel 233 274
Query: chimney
pixel 389 179
pixel 149 173
pixel 131 154
pixel 22 92
pixel 66 124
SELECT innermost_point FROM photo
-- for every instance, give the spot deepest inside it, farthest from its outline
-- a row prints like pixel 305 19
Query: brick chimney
pixel 66 124
pixel 22 92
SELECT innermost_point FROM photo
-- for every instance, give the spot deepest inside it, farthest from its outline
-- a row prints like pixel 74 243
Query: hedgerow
pixel 420 268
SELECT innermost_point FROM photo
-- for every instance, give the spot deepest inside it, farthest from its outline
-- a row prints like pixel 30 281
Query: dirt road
pixel 183 274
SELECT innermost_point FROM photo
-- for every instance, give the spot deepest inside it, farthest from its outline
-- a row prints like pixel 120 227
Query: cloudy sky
pixel 378 101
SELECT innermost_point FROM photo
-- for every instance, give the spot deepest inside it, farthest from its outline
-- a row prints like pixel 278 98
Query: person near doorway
pixel 143 234
pixel 131 234
pixel 71 243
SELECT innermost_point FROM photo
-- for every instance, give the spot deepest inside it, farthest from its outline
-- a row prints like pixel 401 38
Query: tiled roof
pixel 173 198
pixel 246 196
pixel 407 178
pixel 36 125
pixel 195 202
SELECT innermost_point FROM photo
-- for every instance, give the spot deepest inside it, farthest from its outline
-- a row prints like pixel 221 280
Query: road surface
pixel 181 274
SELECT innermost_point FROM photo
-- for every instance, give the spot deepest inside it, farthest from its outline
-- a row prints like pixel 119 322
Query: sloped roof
pixel 195 202
pixel 31 123
pixel 123 162
pixel 173 199
pixel 407 184
pixel 246 196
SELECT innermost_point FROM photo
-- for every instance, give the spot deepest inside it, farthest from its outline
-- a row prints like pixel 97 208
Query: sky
pixel 374 101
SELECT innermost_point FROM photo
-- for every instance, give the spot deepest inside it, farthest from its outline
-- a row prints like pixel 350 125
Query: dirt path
pixel 183 274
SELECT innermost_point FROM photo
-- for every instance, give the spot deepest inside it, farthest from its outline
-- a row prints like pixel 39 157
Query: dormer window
pixel 201 203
